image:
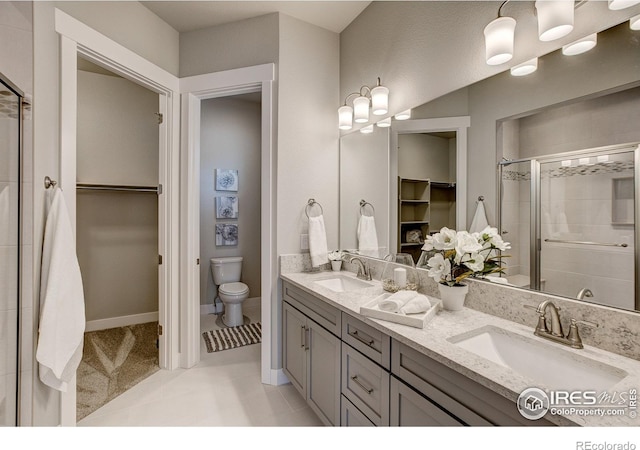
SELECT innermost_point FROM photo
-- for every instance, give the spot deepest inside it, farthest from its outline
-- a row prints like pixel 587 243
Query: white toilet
pixel 226 275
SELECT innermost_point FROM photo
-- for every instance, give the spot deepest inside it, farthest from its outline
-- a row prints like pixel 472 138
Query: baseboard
pixel 122 321
pixel 208 308
pixel 278 377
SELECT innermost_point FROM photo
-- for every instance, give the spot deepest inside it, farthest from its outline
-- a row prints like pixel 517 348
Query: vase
pixel 336 266
pixel 453 296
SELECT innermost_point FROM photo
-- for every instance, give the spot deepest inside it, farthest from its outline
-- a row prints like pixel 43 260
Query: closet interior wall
pixel 117 231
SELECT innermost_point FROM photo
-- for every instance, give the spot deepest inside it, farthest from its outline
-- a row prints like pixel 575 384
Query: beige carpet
pixel 113 361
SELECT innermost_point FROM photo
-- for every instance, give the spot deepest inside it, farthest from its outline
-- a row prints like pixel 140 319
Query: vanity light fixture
pixel 384 123
pixel 404 115
pixel 581 45
pixel 555 18
pixel 377 98
pixel 367 130
pixel 498 38
pixel 525 68
pixel 634 22
pixel 615 5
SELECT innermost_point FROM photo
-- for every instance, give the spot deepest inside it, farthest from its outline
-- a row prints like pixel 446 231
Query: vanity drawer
pixel 350 416
pixel 318 310
pixel 467 400
pixel 366 385
pixel 366 339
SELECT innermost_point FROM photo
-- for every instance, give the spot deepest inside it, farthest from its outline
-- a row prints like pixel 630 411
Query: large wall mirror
pixel 572 109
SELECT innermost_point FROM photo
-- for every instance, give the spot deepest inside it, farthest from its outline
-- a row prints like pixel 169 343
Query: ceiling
pixel 184 16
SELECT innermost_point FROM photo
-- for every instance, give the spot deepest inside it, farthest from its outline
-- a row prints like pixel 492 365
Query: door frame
pixel 194 90
pixel 76 39
pixel 460 126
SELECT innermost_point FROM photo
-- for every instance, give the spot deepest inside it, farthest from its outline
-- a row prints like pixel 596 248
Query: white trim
pixel 194 90
pixel 459 125
pixel 79 39
pixel 122 321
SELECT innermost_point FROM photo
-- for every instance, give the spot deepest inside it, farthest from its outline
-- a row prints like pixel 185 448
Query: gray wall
pixel 117 233
pixel 424 156
pixel 230 139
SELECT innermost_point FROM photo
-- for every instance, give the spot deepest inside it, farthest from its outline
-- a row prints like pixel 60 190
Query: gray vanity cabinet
pixel 410 409
pixel 311 356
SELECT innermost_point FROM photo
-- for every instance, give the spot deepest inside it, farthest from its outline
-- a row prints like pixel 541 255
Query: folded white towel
pixel 62 317
pixel 367 237
pixel 318 241
pixel 418 304
pixel 479 222
pixel 396 301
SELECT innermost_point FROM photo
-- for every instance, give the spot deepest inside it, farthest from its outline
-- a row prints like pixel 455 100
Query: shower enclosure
pixel 571 219
pixel 10 157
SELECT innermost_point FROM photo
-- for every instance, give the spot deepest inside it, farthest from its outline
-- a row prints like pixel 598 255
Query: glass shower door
pixel 10 135
pixel 586 227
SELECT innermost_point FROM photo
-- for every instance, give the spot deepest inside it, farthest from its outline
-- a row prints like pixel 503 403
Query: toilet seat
pixel 236 288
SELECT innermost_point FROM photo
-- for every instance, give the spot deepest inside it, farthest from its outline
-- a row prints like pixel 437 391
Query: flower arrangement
pixel 335 255
pixel 460 254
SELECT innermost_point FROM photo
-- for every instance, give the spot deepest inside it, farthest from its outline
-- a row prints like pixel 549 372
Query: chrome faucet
pixel 584 292
pixel 363 270
pixel 572 339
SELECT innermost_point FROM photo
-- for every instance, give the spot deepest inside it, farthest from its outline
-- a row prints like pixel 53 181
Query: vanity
pixel 359 371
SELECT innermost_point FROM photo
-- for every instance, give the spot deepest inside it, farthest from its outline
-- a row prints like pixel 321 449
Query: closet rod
pixel 107 187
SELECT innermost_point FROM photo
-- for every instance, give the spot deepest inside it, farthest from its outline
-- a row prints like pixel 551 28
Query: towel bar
pixel 310 204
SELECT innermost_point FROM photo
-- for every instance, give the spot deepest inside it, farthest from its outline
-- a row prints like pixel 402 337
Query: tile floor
pixel 224 389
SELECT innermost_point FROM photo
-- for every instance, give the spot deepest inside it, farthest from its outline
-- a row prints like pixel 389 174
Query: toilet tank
pixel 226 270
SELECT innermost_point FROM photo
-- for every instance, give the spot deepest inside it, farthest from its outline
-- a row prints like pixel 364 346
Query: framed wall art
pixel 227 180
pixel 227 207
pixel 226 234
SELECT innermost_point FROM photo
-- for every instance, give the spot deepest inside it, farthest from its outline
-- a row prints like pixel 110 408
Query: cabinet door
pixel 294 354
pixel 323 373
pixel 351 416
pixel 410 409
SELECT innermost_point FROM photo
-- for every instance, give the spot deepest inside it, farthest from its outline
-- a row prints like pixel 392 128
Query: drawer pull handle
pixel 363 340
pixel 303 337
pixel 359 383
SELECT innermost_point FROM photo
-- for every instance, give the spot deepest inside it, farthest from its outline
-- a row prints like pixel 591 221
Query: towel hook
pixel 481 198
pixel 48 182
pixel 310 204
pixel 364 203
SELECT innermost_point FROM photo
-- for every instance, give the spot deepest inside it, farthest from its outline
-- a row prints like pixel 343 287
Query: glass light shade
pixel 384 123
pixel 555 18
pixel 581 45
pixel 622 4
pixel 498 40
pixel 361 110
pixel 345 117
pixel 525 68
pixel 379 100
pixel 367 130
pixel 634 22
pixel 603 158
pixel 404 115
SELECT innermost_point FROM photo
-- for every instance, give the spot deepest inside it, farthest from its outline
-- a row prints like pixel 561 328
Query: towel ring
pixel 310 204
pixel 362 206
pixel 481 198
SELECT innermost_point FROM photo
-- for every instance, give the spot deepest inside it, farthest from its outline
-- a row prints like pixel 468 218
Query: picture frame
pixel 226 234
pixel 227 180
pixel 227 207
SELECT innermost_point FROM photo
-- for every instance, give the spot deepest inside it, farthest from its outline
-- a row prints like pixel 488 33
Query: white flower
pixel 474 261
pixel 466 243
pixel 439 268
pixel 444 240
pixel 428 244
pixel 492 239
pixel 335 255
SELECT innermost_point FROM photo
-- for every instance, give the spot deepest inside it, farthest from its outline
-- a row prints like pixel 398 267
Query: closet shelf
pixel 119 188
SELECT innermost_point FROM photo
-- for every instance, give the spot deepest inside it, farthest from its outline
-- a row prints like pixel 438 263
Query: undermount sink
pixel 548 364
pixel 343 284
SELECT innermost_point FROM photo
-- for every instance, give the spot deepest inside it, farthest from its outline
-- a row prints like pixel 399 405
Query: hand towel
pixel 418 304
pixel 62 315
pixel 367 236
pixel 318 241
pixel 396 301
pixel 479 222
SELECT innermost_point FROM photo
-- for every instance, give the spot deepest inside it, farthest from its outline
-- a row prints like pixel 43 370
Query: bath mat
pixel 113 361
pixel 232 337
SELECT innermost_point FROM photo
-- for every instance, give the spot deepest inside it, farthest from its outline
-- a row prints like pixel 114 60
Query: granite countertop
pixel 433 341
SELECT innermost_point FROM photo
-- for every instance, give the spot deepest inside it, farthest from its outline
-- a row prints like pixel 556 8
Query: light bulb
pixel 498 37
